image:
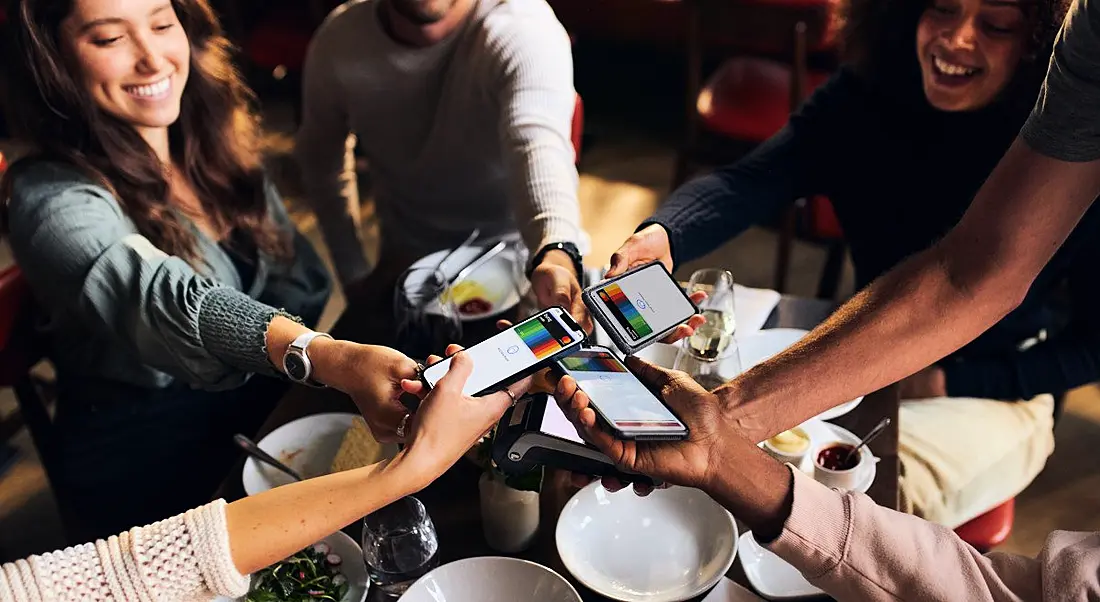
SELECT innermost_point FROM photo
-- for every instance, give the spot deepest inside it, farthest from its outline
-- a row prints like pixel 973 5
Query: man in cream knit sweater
pixel 463 109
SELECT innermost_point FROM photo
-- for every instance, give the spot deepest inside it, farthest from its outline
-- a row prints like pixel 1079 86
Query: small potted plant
pixel 509 503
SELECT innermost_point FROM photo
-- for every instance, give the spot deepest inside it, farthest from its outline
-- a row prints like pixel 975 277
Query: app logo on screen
pixel 624 311
pixel 544 336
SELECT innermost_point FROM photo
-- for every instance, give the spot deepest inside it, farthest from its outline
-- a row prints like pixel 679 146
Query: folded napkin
pixel 752 306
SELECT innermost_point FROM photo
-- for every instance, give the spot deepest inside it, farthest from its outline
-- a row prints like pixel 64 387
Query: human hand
pixel 688 462
pixel 371 375
pixel 646 245
pixel 930 382
pixel 448 423
pixel 555 282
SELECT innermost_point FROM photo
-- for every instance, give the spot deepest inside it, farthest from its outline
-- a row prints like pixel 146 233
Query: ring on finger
pixel 401 426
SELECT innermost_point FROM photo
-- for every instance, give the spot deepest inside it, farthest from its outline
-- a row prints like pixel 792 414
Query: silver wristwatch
pixel 296 362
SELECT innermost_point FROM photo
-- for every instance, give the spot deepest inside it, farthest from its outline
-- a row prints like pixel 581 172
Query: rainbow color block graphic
pixel 627 310
pixel 590 363
pixel 538 339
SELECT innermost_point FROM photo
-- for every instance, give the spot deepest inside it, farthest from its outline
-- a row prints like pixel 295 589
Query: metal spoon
pixel 469 239
pixel 254 450
pixel 875 432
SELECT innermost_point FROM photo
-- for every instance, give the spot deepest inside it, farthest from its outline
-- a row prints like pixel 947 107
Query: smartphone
pixel 639 307
pixel 622 402
pixel 516 353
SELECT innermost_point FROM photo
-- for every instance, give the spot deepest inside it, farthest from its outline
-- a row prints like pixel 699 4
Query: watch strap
pixel 300 346
pixel 569 249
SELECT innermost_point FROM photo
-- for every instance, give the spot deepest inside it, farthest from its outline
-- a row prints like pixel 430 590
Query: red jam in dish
pixel 838 457
pixel 475 306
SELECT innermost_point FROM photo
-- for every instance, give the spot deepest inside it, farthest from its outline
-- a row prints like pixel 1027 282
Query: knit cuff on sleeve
pixel 233 327
pixel 210 537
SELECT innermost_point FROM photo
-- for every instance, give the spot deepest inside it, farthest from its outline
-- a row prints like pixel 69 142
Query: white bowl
pixel 353 567
pixel 497 278
pixel 491 579
pixel 307 445
pixel 669 546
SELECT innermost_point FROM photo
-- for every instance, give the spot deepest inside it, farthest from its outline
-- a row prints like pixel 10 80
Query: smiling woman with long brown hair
pixel 166 269
pixel 930 96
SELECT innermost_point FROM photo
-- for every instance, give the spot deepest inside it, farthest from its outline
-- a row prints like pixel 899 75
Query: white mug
pixel 840 479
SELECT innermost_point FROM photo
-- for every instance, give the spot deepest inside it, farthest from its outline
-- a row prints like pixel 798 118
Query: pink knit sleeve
pixel 856 550
pixel 185 557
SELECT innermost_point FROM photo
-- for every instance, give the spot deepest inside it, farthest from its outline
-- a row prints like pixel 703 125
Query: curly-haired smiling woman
pixel 931 95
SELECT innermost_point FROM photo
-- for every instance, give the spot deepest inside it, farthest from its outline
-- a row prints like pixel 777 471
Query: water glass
pixel 427 318
pixel 711 340
pixel 399 546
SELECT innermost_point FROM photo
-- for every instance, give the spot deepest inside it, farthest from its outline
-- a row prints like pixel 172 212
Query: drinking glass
pixel 399 546
pixel 712 338
pixel 709 372
pixel 427 318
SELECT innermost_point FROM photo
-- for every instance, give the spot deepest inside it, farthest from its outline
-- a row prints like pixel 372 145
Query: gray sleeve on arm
pixel 84 263
pixel 1065 123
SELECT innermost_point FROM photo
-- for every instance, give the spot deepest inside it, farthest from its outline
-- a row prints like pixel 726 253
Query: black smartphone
pixel 516 353
pixel 639 307
pixel 622 402
pixel 536 433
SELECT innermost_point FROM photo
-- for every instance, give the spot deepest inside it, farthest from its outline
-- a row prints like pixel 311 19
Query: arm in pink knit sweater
pixel 856 550
pixel 186 557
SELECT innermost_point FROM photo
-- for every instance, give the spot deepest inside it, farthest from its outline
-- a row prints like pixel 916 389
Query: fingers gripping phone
pixel 516 353
pixel 621 402
pixel 639 307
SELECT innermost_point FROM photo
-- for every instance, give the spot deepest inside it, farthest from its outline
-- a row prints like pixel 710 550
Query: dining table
pixel 453 500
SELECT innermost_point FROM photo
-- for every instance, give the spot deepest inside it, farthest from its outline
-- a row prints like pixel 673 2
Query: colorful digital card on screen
pixel 583 363
pixel 538 339
pixel 627 310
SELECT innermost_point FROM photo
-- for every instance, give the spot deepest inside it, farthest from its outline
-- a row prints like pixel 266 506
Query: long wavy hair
pixel 878 39
pixel 214 143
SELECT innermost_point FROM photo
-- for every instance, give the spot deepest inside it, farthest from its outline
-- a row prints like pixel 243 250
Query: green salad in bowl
pixel 313 574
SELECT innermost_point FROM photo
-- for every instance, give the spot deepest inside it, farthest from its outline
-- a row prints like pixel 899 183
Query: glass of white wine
pixel 711 340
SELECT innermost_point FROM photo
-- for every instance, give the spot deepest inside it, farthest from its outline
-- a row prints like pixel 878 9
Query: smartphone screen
pixel 618 395
pixel 512 351
pixel 644 304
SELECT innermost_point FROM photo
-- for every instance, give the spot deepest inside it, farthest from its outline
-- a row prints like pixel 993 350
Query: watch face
pixel 295 366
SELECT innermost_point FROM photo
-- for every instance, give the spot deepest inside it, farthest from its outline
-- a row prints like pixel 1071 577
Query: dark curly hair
pixel 877 38
pixel 214 141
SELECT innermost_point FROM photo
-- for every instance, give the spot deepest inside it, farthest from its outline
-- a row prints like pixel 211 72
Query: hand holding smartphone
pixel 516 353
pixel 622 402
pixel 639 307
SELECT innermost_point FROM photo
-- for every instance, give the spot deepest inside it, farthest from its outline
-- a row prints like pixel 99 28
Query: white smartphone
pixel 516 353
pixel 621 401
pixel 639 307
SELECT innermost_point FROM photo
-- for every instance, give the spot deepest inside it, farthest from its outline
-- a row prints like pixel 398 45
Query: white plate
pixel 672 545
pixel 770 575
pixel 353 567
pixel 307 445
pixel 728 591
pixel 496 277
pixel 491 579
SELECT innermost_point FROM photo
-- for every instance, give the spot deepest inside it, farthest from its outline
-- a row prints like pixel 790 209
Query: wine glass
pixel 712 338
pixel 528 304
pixel 710 373
pixel 399 546
pixel 427 317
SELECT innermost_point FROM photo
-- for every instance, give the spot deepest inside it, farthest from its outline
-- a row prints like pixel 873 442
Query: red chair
pixel 577 129
pixel 749 99
pixel 990 529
